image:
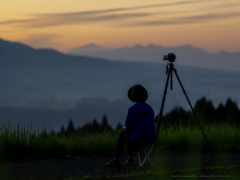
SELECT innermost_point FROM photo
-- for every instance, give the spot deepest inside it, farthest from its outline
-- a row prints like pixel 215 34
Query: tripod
pixel 169 72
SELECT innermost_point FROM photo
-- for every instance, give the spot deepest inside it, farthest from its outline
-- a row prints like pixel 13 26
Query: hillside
pixel 44 78
pixel 28 73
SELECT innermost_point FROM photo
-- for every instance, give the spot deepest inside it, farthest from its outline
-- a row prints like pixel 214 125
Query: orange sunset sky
pixel 213 25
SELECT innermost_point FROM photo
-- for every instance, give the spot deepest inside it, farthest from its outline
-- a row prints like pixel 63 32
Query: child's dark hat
pixel 137 93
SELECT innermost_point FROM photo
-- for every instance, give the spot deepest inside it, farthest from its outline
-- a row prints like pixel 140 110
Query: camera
pixel 170 57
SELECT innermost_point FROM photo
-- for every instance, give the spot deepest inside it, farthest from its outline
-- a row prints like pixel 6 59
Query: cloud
pixel 210 16
pixel 227 5
pixel 99 12
pixel 75 18
pixel 79 19
pixel 189 19
pixel 84 17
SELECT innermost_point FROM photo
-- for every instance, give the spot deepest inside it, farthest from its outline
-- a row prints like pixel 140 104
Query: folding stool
pixel 144 148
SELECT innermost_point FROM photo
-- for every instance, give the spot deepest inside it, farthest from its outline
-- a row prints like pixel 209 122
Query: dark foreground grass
pixel 156 172
pixel 25 142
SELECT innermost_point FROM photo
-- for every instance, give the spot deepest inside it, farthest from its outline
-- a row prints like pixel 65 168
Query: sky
pixel 212 25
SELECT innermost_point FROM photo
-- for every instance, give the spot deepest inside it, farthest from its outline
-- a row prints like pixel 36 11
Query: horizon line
pixel 122 47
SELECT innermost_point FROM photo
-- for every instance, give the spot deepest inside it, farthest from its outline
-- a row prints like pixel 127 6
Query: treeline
pixel 206 114
pixel 204 109
pixel 89 128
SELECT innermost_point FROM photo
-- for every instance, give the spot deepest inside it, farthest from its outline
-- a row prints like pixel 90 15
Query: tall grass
pixel 26 142
pixel 221 137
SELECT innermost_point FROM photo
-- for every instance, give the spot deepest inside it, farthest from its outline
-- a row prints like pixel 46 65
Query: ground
pixel 62 169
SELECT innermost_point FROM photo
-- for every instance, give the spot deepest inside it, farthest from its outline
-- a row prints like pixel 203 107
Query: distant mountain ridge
pixel 186 55
pixel 90 48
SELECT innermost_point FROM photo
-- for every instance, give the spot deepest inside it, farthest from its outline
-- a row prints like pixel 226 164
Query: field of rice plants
pixel 21 142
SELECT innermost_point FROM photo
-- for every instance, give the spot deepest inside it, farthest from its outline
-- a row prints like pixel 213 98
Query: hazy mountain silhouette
pixel 186 55
pixel 34 78
pixel 90 48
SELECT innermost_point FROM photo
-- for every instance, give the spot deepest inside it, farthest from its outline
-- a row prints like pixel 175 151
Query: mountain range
pixel 186 55
pixel 44 79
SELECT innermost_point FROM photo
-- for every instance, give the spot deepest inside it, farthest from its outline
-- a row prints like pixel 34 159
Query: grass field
pixel 27 142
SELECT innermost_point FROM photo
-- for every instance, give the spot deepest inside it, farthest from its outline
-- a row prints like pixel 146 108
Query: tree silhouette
pixel 220 111
pixel 95 126
pixel 199 107
pixel 176 116
pixel 231 112
pixel 87 128
pixel 209 112
pixel 119 126
pixel 62 131
pixel 205 110
pixel 70 127
pixel 105 126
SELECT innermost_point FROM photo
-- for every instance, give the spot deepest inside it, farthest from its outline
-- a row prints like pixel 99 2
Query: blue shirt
pixel 140 123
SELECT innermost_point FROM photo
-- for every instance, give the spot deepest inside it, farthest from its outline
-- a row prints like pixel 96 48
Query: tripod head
pixel 169 69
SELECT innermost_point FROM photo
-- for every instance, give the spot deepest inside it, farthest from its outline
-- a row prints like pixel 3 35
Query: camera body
pixel 170 57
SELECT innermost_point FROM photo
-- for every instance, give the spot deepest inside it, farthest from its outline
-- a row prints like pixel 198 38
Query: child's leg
pixel 123 137
pixel 130 147
pixel 120 144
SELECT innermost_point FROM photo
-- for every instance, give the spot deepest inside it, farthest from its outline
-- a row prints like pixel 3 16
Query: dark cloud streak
pixel 210 16
pixel 227 5
pixel 189 20
pixel 124 9
pixel 82 20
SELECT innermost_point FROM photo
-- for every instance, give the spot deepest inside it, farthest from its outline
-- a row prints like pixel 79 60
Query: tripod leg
pixel 193 111
pixel 171 82
pixel 162 106
pixel 161 112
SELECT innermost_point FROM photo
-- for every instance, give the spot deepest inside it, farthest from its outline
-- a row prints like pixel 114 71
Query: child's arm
pixel 129 122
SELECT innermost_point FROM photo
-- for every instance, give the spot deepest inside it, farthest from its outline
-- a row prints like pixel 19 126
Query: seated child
pixel 139 125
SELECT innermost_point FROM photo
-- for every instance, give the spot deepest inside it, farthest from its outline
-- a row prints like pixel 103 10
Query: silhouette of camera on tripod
pixel 169 71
